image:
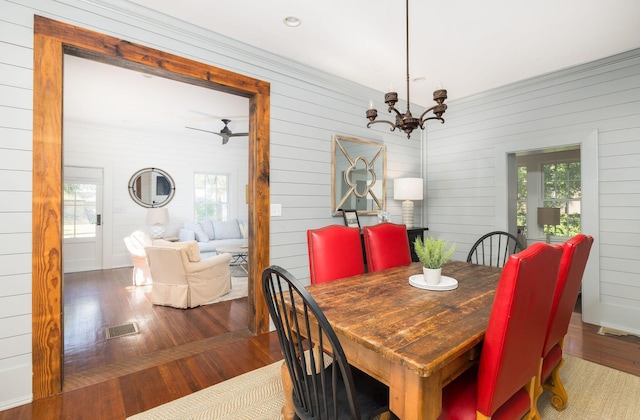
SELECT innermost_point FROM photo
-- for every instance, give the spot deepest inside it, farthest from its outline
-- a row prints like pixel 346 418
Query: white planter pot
pixel 432 276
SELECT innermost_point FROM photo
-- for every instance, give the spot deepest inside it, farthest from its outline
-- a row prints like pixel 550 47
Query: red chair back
pixel 386 245
pixel 575 253
pixel 515 334
pixel 334 252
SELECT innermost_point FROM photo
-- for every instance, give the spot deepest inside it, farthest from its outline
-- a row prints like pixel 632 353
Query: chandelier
pixel 407 122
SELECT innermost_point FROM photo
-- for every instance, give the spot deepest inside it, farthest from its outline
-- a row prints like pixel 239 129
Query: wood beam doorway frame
pixel 52 40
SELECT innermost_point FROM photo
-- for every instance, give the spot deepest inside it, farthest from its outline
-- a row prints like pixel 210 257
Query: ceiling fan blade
pixel 225 133
pixel 200 129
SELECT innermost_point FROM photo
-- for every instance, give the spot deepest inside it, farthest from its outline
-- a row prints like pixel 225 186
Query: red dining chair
pixel 386 246
pixel 334 252
pixel 503 384
pixel 575 253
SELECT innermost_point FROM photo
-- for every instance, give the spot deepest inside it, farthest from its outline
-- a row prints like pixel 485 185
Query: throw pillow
pixel 186 235
pixel 208 229
pixel 227 230
pixel 193 252
pixel 201 235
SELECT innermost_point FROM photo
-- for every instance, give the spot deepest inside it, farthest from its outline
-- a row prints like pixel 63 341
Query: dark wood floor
pixel 97 300
pixel 178 352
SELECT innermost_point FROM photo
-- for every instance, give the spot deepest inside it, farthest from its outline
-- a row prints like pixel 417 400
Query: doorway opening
pixel 506 190
pixel 51 41
pixel 548 179
pixel 120 120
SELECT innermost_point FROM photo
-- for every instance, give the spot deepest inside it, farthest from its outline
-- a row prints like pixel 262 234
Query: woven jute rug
pixel 595 393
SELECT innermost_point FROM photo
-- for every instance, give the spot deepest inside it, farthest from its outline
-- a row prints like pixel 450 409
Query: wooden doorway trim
pixel 52 40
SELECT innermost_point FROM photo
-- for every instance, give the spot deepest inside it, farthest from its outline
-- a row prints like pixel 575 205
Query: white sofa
pixel 211 234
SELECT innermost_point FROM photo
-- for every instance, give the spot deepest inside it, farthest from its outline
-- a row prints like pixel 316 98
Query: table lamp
pixel 407 189
pixel 157 217
pixel 548 216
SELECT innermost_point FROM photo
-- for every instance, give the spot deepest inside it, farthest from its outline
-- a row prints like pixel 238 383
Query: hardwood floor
pixel 97 300
pixel 178 352
pixel 621 353
pixel 175 353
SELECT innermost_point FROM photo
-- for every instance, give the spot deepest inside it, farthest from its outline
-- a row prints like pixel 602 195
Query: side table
pixel 414 233
pixel 239 256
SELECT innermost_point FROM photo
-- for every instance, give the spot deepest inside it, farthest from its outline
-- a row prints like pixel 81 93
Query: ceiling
pixel 466 46
pixel 105 95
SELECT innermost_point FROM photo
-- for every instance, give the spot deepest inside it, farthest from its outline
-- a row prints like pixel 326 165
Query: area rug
pixel 239 288
pixel 595 393
pixel 251 396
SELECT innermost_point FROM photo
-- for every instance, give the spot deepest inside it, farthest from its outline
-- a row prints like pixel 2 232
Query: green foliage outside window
pixel 521 204
pixel 563 188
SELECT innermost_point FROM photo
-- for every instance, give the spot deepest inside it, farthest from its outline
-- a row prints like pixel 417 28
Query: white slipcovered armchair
pixel 136 243
pixel 182 280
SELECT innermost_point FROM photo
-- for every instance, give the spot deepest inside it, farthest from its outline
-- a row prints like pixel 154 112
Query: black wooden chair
pixel 325 386
pixel 494 248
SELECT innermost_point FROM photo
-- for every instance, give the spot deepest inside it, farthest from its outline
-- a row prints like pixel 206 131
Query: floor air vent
pixel 122 330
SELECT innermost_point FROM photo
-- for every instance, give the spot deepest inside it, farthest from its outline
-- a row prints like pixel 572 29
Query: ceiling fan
pixel 225 133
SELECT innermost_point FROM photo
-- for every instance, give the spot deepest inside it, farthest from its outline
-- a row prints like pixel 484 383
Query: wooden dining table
pixel 414 340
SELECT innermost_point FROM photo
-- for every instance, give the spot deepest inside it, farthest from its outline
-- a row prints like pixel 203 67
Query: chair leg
pixel 385 416
pixel 560 398
pixel 537 388
pixel 532 391
pixel 288 411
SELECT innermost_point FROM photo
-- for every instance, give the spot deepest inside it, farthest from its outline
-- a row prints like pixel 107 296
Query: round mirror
pixel 151 187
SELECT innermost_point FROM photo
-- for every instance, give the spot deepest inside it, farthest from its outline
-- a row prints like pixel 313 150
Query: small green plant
pixel 433 253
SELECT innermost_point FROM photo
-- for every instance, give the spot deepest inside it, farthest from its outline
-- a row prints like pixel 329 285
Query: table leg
pixel 287 410
pixel 239 261
pixel 414 397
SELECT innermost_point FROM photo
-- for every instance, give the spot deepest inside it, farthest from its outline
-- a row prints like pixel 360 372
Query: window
pixel 521 201
pixel 79 210
pixel 211 196
pixel 562 187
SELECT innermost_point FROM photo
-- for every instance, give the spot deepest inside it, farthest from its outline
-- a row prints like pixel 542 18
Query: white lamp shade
pixel 157 215
pixel 407 188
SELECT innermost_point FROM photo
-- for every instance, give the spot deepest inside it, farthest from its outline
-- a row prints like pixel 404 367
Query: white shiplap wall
pixel 596 106
pixel 307 108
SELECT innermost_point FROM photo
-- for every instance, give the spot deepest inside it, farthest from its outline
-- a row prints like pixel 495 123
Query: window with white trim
pixel 562 188
pixel 79 209
pixel 211 192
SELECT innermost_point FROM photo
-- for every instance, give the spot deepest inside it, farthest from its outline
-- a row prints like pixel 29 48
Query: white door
pixel 82 226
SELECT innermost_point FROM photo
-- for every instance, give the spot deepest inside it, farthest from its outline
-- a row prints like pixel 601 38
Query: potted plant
pixel 433 254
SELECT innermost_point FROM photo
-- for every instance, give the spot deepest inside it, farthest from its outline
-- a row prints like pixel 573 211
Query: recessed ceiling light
pixel 292 21
pixel 419 79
